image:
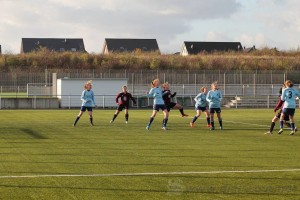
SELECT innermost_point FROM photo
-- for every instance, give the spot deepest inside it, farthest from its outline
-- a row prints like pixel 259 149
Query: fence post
pixel 236 102
pixel 224 89
pixel 0 103
pixel 103 101
pixel 254 85
pixel 137 102
pixel 268 101
pixel 69 102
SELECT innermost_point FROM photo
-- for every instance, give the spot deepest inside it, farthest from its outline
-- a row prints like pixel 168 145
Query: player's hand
pixel 275 110
pixel 96 106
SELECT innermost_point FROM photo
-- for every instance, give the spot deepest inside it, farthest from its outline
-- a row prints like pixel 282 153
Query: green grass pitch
pixel 42 154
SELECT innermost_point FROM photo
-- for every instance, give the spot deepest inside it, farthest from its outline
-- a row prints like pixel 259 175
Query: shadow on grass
pixel 33 133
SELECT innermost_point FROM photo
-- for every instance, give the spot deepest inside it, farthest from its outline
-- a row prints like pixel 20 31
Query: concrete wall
pixel 29 103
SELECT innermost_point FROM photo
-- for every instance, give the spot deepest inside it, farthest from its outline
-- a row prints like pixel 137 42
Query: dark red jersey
pixel 124 98
pixel 279 105
pixel 167 96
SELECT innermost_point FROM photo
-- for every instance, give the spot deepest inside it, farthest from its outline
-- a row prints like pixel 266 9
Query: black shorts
pixel 159 106
pixel 84 108
pixel 201 108
pixel 171 105
pixel 286 117
pixel 289 111
pixel 213 110
pixel 122 106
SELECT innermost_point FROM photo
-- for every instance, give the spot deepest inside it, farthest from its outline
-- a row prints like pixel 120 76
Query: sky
pixel 263 23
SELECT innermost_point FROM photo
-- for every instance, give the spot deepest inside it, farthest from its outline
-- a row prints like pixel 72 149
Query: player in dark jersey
pixel 124 97
pixel 167 96
pixel 278 114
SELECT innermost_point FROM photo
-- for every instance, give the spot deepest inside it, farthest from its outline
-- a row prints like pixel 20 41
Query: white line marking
pixel 150 174
pixel 246 123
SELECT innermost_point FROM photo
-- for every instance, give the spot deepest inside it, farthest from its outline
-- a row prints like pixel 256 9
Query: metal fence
pixel 146 76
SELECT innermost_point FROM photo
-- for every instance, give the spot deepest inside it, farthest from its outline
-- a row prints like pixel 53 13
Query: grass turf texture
pixel 44 142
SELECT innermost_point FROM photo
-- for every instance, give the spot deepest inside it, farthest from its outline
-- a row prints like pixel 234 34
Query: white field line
pixel 149 174
pixel 234 122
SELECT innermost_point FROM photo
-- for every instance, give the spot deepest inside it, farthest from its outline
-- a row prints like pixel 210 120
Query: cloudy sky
pixel 272 23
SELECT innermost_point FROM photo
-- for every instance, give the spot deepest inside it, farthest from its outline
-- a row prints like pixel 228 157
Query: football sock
pixel 115 116
pixel 292 126
pixel 208 120
pixel 281 124
pixel 220 122
pixel 194 119
pixel 151 120
pixel 126 117
pixel 212 123
pixel 91 120
pixel 272 126
pixel 76 120
pixel 181 111
pixel 165 122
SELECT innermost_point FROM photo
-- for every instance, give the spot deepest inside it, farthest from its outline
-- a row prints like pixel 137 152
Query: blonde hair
pixel 87 83
pixel 153 82
pixel 215 83
pixel 124 86
pixel 165 84
pixel 202 89
pixel 289 83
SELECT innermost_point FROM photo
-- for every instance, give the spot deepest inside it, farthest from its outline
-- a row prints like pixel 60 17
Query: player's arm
pixel 174 94
pixel 150 93
pixel 93 99
pixel 279 105
pixel 208 97
pixel 83 97
pixel 117 98
pixel 283 95
pixel 165 93
pixel 220 96
pixel 132 99
pixel 197 97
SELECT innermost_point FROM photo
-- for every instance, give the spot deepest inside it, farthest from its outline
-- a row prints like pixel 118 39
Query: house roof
pixel 197 47
pixel 53 44
pixel 120 45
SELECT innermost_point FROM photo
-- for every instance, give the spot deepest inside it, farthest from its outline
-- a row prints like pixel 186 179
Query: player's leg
pixel 220 119
pixel 274 120
pixel 119 109
pixel 166 117
pixel 152 117
pixel 291 115
pixel 90 111
pixel 82 109
pixel 281 122
pixel 126 115
pixel 198 114
pixel 212 123
pixel 207 117
pixel 180 108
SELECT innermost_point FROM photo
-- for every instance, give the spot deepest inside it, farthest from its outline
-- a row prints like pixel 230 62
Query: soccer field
pixel 44 157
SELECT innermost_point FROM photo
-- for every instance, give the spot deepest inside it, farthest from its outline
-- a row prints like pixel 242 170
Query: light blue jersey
pixel 288 96
pixel 214 99
pixel 200 100
pixel 87 98
pixel 156 93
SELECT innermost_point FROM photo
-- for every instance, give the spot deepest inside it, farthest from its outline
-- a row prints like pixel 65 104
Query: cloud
pixel 95 19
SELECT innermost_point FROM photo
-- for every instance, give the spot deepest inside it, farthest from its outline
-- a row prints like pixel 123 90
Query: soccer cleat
pixel 92 124
pixel 184 115
pixel 74 125
pixel 148 127
pixel 126 122
pixel 164 128
pixel 212 128
pixel 208 125
pixel 192 125
pixel 221 127
pixel 280 131
pixel 268 133
pixel 295 129
pixel 292 133
pixel 111 121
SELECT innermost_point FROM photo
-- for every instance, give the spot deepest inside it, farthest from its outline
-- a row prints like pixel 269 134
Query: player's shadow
pixel 33 133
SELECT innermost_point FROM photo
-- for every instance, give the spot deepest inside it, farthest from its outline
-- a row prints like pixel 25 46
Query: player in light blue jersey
pixel 88 102
pixel 158 104
pixel 214 98
pixel 289 106
pixel 200 106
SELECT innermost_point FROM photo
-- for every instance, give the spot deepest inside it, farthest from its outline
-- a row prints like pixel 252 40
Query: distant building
pixel 53 44
pixel 193 48
pixel 115 45
pixel 249 49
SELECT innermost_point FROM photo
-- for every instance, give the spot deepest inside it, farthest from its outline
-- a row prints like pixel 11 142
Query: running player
pixel 167 96
pixel 214 98
pixel 123 104
pixel 289 106
pixel 277 116
pixel 200 106
pixel 88 102
pixel 158 104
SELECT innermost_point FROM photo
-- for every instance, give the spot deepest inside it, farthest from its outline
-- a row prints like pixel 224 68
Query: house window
pixel 62 49
pixel 73 49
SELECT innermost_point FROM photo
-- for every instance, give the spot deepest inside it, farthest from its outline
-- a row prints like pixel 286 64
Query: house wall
pixel 184 51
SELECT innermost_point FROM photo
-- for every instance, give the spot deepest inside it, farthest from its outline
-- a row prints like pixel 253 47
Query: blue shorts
pixel 84 108
pixel 213 110
pixel 289 111
pixel 201 108
pixel 161 106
